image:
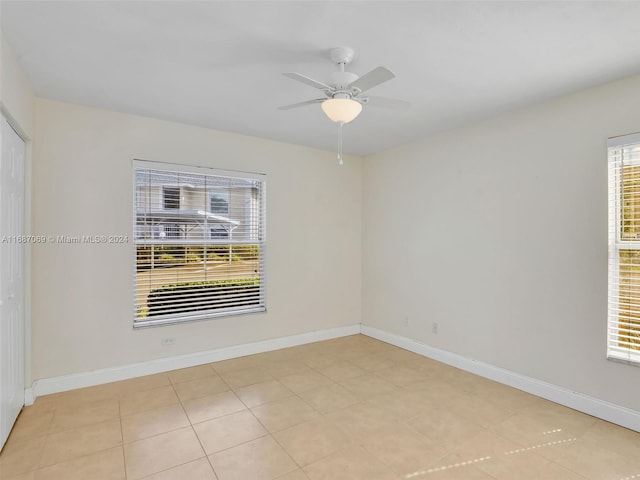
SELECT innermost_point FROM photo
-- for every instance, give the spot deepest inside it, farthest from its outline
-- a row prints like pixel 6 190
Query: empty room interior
pixel 263 240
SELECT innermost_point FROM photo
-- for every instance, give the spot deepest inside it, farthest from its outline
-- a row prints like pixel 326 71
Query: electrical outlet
pixel 434 328
pixel 166 341
pixel 405 321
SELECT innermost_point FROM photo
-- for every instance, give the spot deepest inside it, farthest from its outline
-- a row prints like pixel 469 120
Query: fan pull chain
pixel 340 162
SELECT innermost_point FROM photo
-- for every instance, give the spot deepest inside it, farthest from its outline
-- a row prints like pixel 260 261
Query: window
pixel 219 231
pixel 200 243
pixel 219 202
pixel 623 326
pixel 171 197
pixel 171 230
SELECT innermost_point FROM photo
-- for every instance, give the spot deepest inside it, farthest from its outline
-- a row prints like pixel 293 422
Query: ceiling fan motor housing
pixel 342 79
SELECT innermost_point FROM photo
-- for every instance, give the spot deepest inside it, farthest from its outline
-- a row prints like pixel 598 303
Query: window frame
pixel 256 220
pixel 616 244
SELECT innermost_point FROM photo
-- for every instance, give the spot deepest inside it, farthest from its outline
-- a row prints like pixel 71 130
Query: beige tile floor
pixel 349 408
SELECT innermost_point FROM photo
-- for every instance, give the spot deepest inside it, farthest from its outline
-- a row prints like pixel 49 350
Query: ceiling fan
pixel 344 95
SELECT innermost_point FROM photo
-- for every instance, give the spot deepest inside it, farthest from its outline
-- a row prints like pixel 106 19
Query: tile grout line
pixel 124 459
pixel 206 456
pixel 189 419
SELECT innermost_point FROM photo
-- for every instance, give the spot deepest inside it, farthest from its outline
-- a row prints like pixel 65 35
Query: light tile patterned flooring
pixel 349 408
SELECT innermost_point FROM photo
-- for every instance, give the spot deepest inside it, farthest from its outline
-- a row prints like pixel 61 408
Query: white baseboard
pixel 63 383
pixel 28 396
pixel 590 405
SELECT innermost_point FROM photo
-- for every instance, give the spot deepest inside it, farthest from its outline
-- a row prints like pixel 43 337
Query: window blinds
pixel 200 243
pixel 623 325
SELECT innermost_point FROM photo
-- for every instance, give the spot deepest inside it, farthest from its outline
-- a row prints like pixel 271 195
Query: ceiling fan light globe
pixel 341 109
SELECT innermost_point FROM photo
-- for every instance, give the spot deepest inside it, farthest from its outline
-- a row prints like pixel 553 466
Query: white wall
pixel 498 232
pixel 83 185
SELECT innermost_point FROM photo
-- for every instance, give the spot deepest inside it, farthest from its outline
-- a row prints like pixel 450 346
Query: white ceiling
pixel 218 64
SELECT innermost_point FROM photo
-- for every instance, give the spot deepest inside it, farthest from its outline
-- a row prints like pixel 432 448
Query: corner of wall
pixel 16 93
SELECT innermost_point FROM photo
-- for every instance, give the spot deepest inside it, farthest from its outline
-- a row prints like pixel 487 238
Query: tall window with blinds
pixel 623 326
pixel 200 243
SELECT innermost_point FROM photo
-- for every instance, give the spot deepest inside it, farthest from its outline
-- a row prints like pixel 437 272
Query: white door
pixel 11 278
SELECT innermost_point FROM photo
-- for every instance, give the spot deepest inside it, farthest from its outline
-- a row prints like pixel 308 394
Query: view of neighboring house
pixel 178 207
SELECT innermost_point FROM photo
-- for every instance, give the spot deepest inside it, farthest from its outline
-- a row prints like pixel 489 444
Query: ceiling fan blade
pixel 302 104
pixel 307 80
pixel 371 79
pixel 384 102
